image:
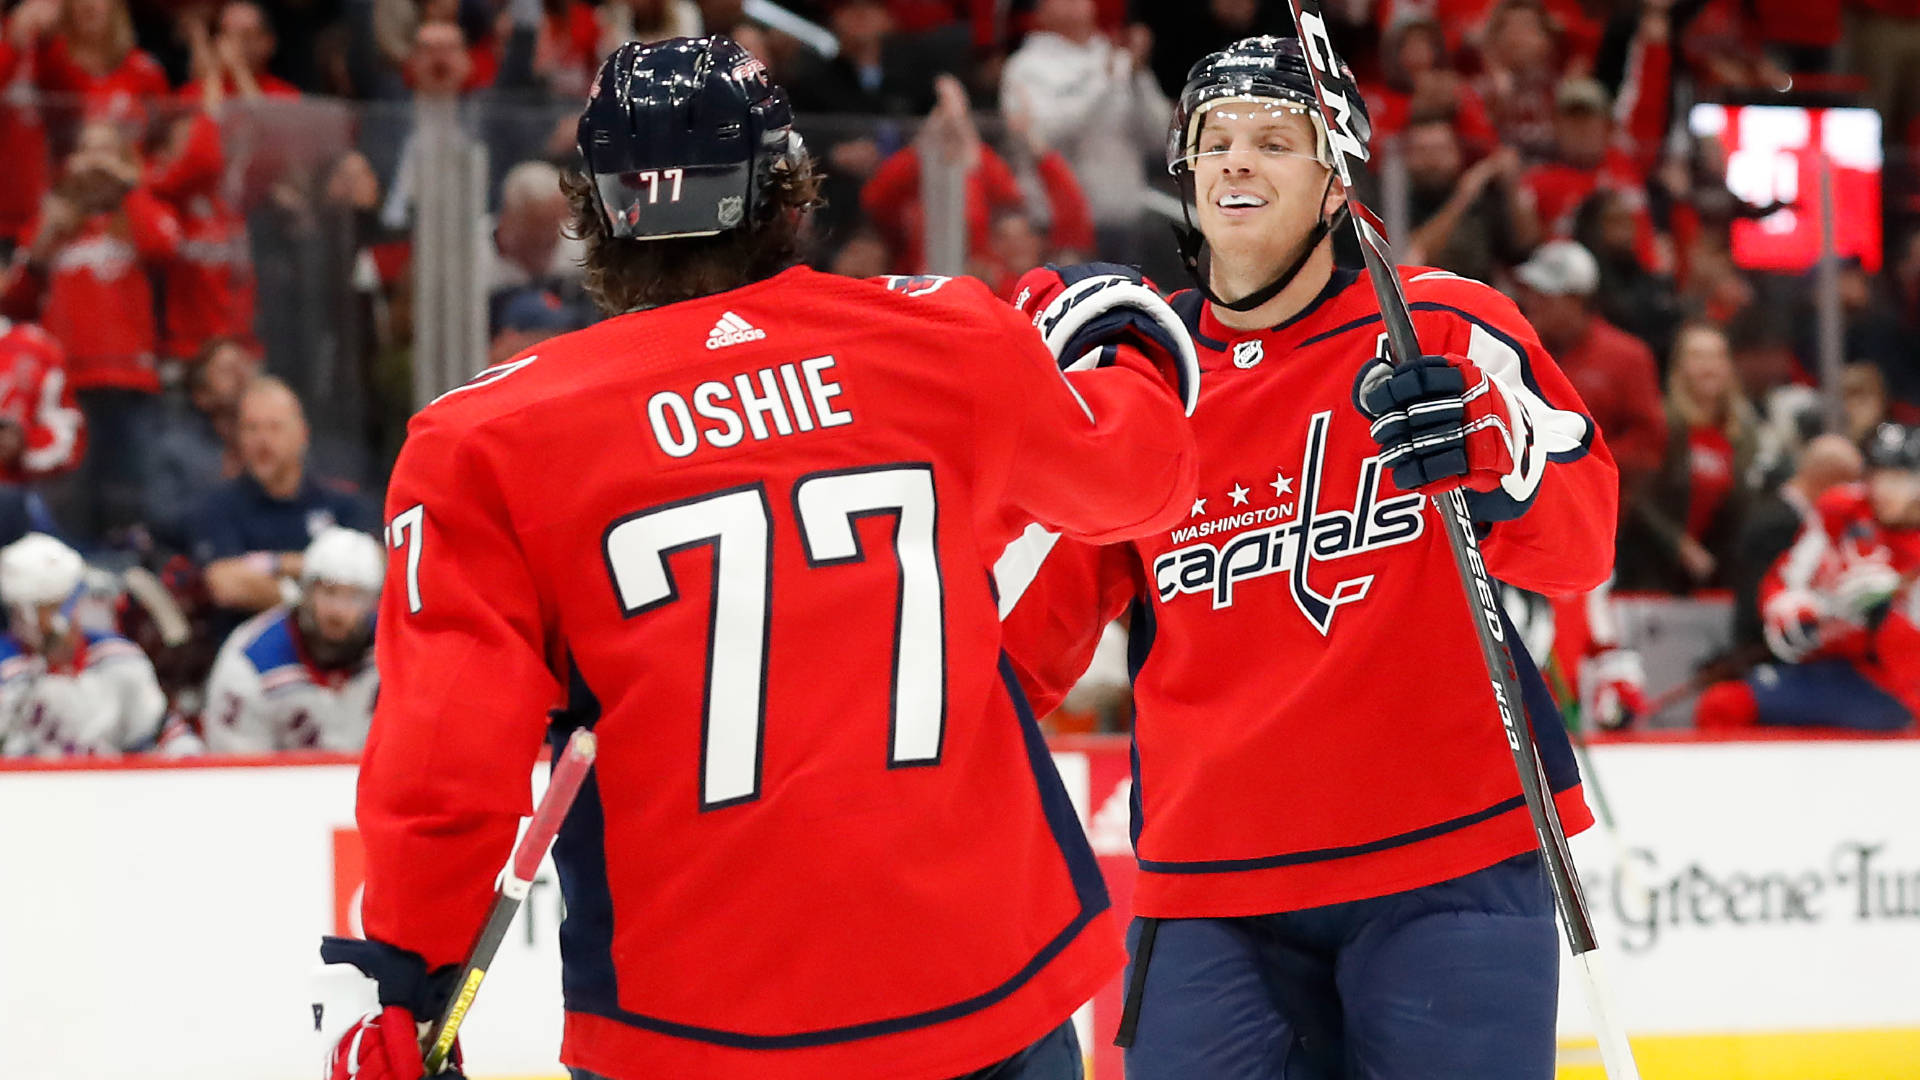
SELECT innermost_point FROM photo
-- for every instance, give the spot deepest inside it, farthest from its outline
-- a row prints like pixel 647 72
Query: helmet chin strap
pixel 1191 240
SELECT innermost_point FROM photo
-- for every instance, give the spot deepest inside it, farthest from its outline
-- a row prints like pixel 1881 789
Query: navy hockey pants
pixel 1824 693
pixel 1454 980
pixel 1056 1056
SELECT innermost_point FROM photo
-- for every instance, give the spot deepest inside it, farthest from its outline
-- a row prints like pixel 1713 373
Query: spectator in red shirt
pixel 1522 69
pixel 1681 535
pixel 240 47
pixel 85 276
pixel 1591 154
pixel 892 196
pixel 41 430
pixel 1420 80
pixel 1612 370
pixel 86 48
pixel 81 52
pixel 209 284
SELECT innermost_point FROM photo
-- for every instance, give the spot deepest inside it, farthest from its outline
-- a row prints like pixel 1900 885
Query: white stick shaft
pixel 1615 1054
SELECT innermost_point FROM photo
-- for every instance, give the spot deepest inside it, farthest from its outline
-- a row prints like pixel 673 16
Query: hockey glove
pixel 1865 591
pixel 1791 624
pixel 1442 422
pixel 1083 312
pixel 1615 688
pixel 385 1045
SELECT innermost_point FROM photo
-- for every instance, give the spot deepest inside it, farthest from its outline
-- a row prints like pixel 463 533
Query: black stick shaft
pixel 1457 523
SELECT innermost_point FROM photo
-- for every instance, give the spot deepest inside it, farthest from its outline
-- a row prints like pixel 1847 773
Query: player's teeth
pixel 1242 200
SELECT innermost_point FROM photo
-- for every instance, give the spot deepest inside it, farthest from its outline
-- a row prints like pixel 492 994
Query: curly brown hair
pixel 624 275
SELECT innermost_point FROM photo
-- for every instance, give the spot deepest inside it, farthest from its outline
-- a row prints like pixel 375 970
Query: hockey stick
pixel 515 879
pixel 1337 100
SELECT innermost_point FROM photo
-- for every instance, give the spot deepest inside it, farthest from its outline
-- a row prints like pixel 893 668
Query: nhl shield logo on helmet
pixel 680 138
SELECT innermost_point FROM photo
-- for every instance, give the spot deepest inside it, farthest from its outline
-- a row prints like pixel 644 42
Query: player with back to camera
pixel 743 529
pixel 1337 873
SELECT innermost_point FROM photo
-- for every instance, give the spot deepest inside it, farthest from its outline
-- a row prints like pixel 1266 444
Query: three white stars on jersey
pixel 1281 484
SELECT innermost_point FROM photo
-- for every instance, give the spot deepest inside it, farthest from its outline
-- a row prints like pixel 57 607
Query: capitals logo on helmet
pixel 680 138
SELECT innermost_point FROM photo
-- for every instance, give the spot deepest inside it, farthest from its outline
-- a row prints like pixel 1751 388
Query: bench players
pixel 744 530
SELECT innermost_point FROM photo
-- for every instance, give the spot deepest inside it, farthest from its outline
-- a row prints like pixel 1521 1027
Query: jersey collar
pixel 1216 337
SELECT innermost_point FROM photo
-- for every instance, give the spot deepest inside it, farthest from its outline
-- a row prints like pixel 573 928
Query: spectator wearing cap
pixel 1592 151
pixel 1467 219
pixel 249 532
pixel 528 316
pixel 1098 104
pixel 1680 535
pixel 1612 370
pixel 195 449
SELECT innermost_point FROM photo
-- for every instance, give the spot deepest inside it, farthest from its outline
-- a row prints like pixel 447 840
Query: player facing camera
pixel 694 181
pixel 340 576
pixel 1254 162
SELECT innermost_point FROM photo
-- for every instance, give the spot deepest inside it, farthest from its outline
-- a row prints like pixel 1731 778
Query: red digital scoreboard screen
pixel 1773 155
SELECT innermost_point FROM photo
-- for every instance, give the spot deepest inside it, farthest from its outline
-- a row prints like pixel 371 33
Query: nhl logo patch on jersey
pixel 1246 354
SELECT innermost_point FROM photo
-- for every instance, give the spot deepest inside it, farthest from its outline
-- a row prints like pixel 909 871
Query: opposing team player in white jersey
pixel 302 677
pixel 66 691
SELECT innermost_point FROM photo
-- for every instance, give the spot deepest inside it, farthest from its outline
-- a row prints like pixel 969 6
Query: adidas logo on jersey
pixel 732 330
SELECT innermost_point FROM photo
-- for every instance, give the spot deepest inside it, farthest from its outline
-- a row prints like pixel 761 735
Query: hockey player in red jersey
pixel 1839 610
pixel 743 529
pixel 1337 875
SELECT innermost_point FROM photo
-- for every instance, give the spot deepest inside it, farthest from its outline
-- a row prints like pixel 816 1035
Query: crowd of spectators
pixel 206 224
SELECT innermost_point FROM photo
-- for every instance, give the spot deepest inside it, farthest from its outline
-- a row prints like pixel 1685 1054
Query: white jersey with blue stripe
pixel 109 701
pixel 265 694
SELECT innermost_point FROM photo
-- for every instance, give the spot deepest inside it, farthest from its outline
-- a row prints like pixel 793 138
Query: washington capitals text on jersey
pixel 1288 754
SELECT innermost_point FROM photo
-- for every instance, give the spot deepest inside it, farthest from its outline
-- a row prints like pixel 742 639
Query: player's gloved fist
pixel 1441 423
pixel 1790 622
pixel 1616 686
pixel 1084 311
pixel 385 1043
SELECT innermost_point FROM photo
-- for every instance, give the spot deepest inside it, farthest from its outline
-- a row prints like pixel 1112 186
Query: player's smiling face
pixel 1258 185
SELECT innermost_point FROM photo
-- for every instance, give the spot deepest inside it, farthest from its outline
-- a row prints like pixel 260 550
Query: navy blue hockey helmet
pixel 1254 69
pixel 1265 72
pixel 681 136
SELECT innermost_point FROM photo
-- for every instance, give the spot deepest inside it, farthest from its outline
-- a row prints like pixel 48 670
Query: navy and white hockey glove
pixel 1083 312
pixel 1443 423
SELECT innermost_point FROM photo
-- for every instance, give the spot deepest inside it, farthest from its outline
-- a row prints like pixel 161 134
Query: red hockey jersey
pixel 1313 722
pixel 209 282
pixel 1846 532
pixel 36 397
pixel 748 539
